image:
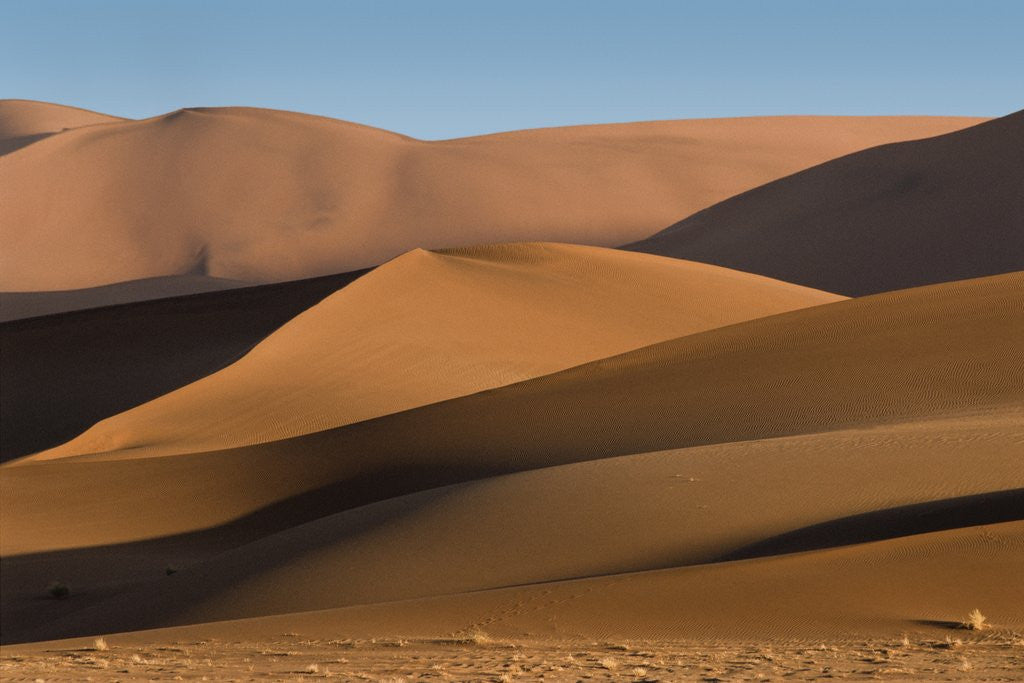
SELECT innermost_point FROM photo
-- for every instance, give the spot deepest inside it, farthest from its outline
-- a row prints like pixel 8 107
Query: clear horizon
pixel 457 68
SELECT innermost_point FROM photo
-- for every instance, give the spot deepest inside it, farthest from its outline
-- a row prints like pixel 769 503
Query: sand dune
pixel 536 441
pixel 18 305
pixel 919 583
pixel 875 588
pixel 428 327
pixel 61 374
pixel 23 122
pixel 259 195
pixel 633 513
pixel 876 360
pixel 897 216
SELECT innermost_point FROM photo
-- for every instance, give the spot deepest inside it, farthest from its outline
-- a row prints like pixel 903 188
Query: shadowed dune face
pixel 62 373
pixel 19 305
pixel 428 327
pixel 259 195
pixel 897 216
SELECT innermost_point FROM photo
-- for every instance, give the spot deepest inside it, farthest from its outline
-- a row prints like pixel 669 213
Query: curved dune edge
pixel 612 516
pixel 23 122
pixel 925 582
pixel 261 196
pixel 930 351
pixel 21 305
pixel 29 117
pixel 63 373
pixel 428 327
pixel 892 217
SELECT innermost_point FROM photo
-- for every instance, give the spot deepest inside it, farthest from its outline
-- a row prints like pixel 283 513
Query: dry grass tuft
pixel 100 645
pixel 976 621
pixel 609 663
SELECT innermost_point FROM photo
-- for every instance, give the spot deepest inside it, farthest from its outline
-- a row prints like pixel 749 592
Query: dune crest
pixel 23 122
pixel 428 327
pixel 260 196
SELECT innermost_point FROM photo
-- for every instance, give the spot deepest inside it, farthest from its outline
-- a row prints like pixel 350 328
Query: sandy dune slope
pixel 259 195
pixel 428 327
pixel 18 305
pixel 23 122
pixel 61 374
pixel 632 513
pixel 876 360
pixel 897 216
pixel 922 582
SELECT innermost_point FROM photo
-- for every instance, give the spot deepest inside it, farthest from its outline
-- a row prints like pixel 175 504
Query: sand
pixel 896 216
pixel 428 327
pixel 687 507
pixel 20 305
pixel 23 122
pixel 62 373
pixel 947 348
pixel 501 461
pixel 260 196
pixel 291 656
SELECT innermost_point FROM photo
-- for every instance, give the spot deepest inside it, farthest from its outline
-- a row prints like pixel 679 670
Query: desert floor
pixel 959 656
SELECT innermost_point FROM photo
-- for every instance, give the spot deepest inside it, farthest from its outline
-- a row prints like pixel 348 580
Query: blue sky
pixel 439 68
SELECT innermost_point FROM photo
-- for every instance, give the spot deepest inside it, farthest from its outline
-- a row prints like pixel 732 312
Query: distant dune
pixel 897 216
pixel 428 327
pixel 23 122
pixel 62 373
pixel 259 195
pixel 18 305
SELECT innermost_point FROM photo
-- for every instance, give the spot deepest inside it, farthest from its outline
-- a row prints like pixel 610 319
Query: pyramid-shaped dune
pixel 428 327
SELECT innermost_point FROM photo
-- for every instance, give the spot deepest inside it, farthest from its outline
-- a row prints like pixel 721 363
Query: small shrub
pixel 976 621
pixel 100 645
pixel 58 590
